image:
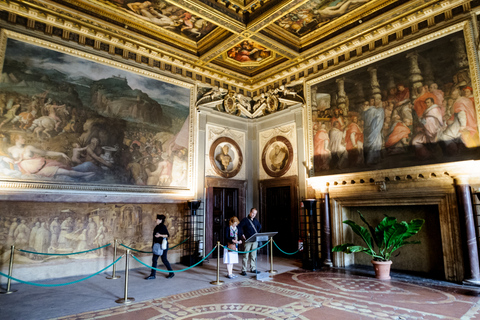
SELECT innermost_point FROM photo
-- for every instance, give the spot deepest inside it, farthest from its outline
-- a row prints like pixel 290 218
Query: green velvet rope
pixel 247 251
pixel 62 254
pixel 282 250
pixel 178 244
pixel 196 264
pixel 134 249
pixel 151 251
pixel 60 284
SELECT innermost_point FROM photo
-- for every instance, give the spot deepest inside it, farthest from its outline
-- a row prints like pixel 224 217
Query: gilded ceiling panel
pixel 243 40
pixel 248 53
pixel 315 14
pixel 167 16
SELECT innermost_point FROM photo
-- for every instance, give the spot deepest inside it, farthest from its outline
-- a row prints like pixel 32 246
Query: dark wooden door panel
pixel 215 205
pixel 217 199
pixel 279 217
pixel 279 211
pixel 225 205
pixel 231 203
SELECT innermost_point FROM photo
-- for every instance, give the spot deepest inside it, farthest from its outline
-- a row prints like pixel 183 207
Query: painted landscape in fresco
pixel 167 16
pixel 314 14
pixel 410 109
pixel 65 228
pixel 68 119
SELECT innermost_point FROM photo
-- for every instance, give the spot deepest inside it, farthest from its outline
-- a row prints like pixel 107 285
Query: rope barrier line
pixel 246 251
pixel 282 250
pixel 63 254
pixel 178 244
pixel 60 284
pixel 90 276
pixel 151 251
pixel 135 249
pixel 196 264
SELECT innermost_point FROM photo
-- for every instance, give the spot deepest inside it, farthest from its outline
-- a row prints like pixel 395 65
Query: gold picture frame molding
pixel 183 192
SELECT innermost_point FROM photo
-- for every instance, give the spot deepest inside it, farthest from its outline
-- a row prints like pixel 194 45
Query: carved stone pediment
pixel 240 105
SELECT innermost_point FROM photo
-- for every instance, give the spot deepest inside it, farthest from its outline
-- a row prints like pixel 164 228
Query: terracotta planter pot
pixel 382 269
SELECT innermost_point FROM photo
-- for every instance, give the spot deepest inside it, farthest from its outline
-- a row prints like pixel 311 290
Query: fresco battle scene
pixel 414 108
pixel 67 119
pixel 73 227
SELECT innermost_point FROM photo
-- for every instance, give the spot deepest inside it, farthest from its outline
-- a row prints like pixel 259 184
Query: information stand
pixel 262 237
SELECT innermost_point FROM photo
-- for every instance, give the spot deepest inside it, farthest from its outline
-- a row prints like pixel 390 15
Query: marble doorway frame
pixel 448 216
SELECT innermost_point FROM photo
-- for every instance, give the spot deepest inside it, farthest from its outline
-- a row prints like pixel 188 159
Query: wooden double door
pixel 225 199
pixel 280 212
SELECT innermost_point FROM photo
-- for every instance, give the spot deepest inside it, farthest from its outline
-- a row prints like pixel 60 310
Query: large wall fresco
pixel 167 16
pixel 65 228
pixel 67 119
pixel 414 108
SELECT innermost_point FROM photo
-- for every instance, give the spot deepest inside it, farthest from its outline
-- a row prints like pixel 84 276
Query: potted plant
pixel 389 235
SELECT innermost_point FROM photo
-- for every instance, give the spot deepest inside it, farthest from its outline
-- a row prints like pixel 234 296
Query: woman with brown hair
pixel 231 238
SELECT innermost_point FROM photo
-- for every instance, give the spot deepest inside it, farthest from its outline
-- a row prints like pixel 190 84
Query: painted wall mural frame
pixel 404 107
pixel 72 120
pixel 226 157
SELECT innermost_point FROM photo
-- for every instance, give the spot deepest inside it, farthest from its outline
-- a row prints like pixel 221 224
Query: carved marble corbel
pixel 214 94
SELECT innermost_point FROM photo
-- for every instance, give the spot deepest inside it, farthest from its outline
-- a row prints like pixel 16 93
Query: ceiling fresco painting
pixel 245 43
pixel 167 16
pixel 249 51
pixel 315 14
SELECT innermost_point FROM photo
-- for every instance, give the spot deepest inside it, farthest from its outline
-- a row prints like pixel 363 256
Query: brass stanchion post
pixel 126 299
pixel 218 281
pixel 271 257
pixel 114 276
pixel 10 268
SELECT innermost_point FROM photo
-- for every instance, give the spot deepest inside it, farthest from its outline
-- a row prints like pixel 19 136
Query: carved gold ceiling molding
pixel 245 6
pixel 125 19
pixel 362 37
pixel 220 48
pixel 270 16
pixel 275 46
pixel 206 12
pixel 375 31
pixel 102 31
pixel 71 20
pixel 351 17
pixel 185 56
pixel 411 44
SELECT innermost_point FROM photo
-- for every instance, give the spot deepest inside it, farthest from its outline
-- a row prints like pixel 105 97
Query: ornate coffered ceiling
pixel 244 37
pixel 246 43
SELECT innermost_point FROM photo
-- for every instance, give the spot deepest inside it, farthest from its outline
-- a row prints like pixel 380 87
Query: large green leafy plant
pixel 388 236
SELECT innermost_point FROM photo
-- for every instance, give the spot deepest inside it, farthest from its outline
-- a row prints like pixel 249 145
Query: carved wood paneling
pixel 291 182
pixel 212 201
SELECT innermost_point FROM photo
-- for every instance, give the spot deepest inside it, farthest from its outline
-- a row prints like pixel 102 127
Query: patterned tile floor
pixel 299 294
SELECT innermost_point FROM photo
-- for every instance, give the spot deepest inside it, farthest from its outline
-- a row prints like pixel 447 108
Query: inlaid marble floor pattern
pixel 301 294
